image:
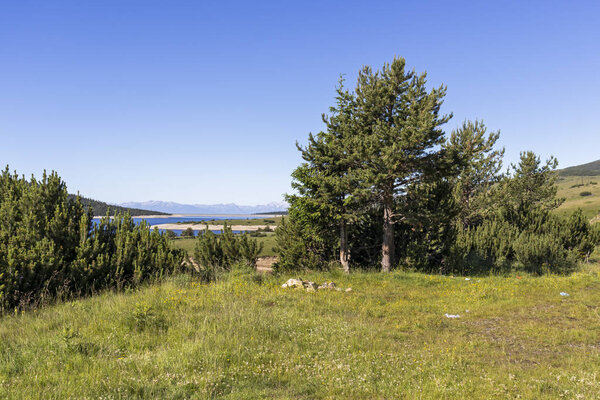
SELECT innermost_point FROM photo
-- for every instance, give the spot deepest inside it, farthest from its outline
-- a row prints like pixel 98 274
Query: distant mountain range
pixel 589 169
pixel 100 208
pixel 231 208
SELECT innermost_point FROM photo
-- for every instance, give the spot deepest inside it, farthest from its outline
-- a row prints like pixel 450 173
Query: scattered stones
pixel 327 285
pixel 311 286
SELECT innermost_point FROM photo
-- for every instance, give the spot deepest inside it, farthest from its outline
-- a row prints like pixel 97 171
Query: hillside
pixel 100 208
pixel 589 169
pixel 247 338
pixel 571 189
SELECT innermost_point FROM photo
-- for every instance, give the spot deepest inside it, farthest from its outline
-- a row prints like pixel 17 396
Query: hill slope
pixel 589 169
pixel 571 189
pixel 100 208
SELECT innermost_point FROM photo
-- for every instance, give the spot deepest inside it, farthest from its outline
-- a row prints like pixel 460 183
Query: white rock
pixel 452 315
pixel 294 283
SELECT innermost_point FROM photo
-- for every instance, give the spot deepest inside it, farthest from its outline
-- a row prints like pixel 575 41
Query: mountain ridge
pixel 587 169
pixel 222 208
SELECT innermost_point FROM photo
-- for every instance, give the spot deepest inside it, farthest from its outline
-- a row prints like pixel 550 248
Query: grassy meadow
pixel 268 241
pixel 245 337
pixel 570 188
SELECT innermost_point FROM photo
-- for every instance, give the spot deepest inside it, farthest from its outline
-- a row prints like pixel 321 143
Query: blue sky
pixel 202 102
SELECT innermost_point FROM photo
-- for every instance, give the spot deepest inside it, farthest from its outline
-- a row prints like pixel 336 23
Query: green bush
pixel 188 233
pixel 49 247
pixel 215 254
pixel 537 242
pixel 586 193
pixel 299 249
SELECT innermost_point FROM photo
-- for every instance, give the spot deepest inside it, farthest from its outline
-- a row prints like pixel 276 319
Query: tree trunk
pixel 387 248
pixel 344 255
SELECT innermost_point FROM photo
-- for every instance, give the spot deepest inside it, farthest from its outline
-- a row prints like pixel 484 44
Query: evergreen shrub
pixel 49 246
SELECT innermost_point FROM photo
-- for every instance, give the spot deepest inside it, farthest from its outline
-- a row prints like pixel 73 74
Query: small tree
pixel 476 167
pixel 188 233
pixel 326 181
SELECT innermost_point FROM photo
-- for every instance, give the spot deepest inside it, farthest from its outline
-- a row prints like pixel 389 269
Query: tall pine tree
pixel 399 124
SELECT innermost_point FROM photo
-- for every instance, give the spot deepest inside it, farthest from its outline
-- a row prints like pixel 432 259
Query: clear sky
pixel 202 102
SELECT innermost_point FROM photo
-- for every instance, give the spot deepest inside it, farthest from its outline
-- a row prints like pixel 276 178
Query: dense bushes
pixel 49 246
pixel 547 243
pixel 217 253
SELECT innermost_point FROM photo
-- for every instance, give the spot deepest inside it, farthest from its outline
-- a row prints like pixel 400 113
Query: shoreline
pixel 254 216
pixel 201 227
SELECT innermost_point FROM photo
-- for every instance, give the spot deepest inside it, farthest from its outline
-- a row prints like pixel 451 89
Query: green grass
pixel 247 338
pixel 269 244
pixel 589 204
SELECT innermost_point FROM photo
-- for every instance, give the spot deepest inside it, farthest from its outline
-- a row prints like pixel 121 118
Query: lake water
pixel 189 219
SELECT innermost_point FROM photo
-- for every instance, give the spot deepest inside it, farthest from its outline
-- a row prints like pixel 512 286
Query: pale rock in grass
pixel 293 283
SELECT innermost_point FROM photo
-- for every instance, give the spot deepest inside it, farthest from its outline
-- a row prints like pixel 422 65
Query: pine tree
pixel 326 180
pixel 399 126
pixel 528 185
pixel 476 169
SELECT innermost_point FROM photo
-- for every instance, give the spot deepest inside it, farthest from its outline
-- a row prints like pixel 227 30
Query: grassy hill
pixel 580 187
pixel 589 169
pixel 247 338
pixel 572 187
pixel 100 208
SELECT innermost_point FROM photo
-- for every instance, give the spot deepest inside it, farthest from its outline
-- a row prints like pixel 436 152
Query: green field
pixel 268 244
pixel 570 190
pixel 274 221
pixel 247 338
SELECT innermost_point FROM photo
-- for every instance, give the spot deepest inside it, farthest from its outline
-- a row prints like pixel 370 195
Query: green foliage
pixel 546 243
pixel 215 254
pixel 188 233
pixel 385 173
pixel 530 185
pixel 399 125
pixel 475 166
pixel 585 193
pixel 49 248
pixel 306 239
